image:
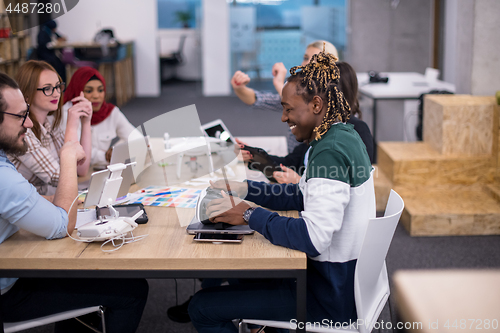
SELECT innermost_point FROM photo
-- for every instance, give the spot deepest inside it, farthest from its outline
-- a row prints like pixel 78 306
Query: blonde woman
pixel 42 88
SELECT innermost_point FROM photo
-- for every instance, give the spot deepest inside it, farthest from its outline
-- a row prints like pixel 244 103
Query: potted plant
pixel 183 17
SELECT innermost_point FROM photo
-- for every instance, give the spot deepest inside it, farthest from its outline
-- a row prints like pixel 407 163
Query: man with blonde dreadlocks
pixel 336 199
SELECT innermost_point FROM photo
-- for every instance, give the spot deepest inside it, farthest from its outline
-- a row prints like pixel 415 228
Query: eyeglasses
pixel 49 90
pixel 23 117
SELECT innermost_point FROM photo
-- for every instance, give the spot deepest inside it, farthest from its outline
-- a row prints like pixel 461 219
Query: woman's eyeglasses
pixel 49 90
pixel 22 116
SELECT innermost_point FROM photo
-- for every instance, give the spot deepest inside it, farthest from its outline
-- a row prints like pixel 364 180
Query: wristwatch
pixel 247 213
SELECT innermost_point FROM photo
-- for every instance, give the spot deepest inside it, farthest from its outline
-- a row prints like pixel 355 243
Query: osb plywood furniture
pixel 460 125
pixel 450 182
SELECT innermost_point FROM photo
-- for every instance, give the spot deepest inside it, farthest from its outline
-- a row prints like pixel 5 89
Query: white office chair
pixel 24 325
pixel 371 283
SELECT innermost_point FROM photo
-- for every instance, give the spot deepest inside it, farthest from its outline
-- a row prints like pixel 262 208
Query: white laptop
pixel 217 129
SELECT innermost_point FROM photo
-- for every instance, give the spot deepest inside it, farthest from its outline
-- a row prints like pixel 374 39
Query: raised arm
pixel 279 75
pixel 34 213
pixel 239 83
pixel 70 155
pixel 81 111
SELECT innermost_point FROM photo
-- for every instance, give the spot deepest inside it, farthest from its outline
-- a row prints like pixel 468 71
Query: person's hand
pixel 82 108
pixel 73 148
pixel 286 176
pixel 279 71
pixel 245 154
pixel 108 154
pixel 229 209
pixel 279 74
pixel 239 80
pixel 239 188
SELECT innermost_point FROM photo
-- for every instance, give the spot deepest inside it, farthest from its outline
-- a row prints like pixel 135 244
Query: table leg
pixel 301 299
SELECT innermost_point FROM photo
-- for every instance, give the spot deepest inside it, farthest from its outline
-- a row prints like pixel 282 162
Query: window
pixel 268 31
pixel 174 14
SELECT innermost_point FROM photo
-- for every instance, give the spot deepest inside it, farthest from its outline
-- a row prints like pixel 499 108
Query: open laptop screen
pixel 217 129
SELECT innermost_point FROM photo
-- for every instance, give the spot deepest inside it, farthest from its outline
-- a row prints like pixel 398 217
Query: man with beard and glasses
pixel 21 207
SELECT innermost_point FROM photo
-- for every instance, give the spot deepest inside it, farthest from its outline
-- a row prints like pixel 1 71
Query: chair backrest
pixel 178 54
pixel 371 283
pixel 182 40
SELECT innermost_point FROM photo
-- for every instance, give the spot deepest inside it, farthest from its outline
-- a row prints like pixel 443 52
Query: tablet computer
pixel 97 182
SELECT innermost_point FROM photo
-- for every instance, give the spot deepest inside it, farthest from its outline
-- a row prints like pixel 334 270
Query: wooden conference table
pixel 167 252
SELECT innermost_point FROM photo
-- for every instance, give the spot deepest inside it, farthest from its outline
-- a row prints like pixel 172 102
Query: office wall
pixel 471 53
pixel 384 38
pixel 459 42
pixel 130 20
pixel 486 51
pixel 450 41
pixel 215 48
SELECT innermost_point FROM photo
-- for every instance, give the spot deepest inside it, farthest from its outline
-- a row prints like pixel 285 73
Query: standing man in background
pixel 47 39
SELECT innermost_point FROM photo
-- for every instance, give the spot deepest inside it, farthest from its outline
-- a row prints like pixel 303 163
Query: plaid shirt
pixel 40 164
pixel 272 101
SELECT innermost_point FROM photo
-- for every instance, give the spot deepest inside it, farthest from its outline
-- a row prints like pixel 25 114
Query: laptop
pixel 217 129
pixel 196 227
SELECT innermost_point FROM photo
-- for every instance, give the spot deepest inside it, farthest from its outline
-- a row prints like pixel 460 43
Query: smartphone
pixel 125 210
pixel 216 238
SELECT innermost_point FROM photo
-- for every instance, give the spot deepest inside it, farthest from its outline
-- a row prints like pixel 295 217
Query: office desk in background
pixel 117 67
pixel 449 300
pixel 168 252
pixel 401 86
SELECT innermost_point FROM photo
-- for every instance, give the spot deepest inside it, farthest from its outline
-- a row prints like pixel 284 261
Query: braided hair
pixel 320 77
